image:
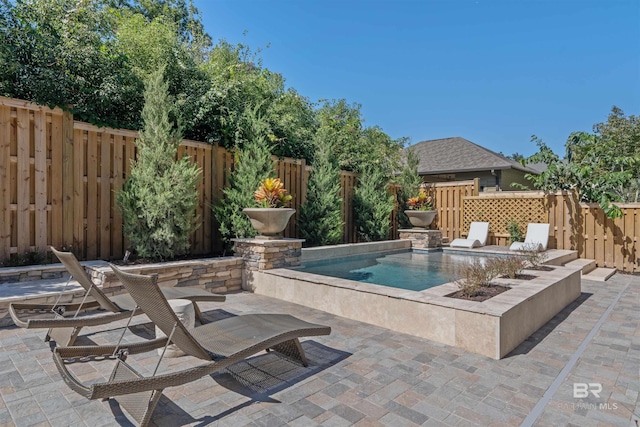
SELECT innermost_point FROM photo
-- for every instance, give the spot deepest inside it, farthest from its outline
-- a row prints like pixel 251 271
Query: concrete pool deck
pixel 366 375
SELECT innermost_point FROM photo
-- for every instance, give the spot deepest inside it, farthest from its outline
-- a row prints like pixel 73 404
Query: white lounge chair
pixel 536 239
pixel 478 232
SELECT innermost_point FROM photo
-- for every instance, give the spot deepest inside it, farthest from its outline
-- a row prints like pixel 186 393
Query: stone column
pixel 422 239
pixel 262 254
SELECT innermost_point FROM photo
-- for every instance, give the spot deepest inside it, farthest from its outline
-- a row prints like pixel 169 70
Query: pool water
pixel 414 271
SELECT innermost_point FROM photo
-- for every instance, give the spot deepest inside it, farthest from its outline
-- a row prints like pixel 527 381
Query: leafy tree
pixel 237 82
pixel 186 17
pixel 253 164
pixel 59 54
pixel 320 221
pixel 340 126
pixel 92 57
pixel 159 198
pixel 409 182
pixel 293 126
pixel 515 156
pixel 372 205
pixel 604 167
pixel 379 148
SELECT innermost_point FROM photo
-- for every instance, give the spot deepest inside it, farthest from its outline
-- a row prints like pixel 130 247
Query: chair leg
pixel 64 337
pixel 198 313
pixel 292 349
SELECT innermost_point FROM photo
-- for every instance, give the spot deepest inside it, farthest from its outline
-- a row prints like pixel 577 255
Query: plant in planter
pixel 476 281
pixel 271 216
pixel 510 266
pixel 535 258
pixel 420 211
pixel 271 194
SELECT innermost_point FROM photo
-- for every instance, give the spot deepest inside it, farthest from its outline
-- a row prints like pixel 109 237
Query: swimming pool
pixel 492 328
pixel 410 270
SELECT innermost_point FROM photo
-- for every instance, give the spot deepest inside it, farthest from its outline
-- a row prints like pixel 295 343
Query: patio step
pixel 36 289
pixel 43 291
pixel 600 274
pixel 586 265
pixel 31 273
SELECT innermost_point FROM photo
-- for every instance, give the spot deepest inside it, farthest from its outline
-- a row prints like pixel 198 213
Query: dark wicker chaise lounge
pixel 221 344
pixel 104 309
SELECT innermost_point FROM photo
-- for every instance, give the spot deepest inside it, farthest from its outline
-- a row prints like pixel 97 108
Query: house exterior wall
pixel 487 179
pixel 513 175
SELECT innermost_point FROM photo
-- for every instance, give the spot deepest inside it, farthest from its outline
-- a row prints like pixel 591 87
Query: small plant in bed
pixel 535 258
pixel 475 285
pixel 30 257
pixel 510 267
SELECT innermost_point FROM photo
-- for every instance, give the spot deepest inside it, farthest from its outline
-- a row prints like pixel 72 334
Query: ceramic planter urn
pixel 269 222
pixel 420 219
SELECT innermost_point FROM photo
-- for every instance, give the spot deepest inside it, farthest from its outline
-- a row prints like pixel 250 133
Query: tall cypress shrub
pixel 409 182
pixel 372 205
pixel 159 198
pixel 320 221
pixel 252 164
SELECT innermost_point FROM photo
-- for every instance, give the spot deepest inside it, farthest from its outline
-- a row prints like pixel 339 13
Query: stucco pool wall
pixel 492 328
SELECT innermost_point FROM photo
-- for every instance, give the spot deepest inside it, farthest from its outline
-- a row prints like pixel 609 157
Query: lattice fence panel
pixel 498 210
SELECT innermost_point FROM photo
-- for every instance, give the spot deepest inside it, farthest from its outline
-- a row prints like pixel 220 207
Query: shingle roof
pixel 450 155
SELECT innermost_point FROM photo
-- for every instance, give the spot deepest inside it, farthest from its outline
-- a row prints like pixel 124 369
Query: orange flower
pixel 271 194
pixel 422 202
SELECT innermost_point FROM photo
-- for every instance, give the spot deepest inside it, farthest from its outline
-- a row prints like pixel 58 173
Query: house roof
pixel 450 155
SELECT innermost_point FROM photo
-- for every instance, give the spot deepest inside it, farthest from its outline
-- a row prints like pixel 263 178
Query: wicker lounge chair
pixel 478 232
pixel 221 344
pixel 103 309
pixel 536 239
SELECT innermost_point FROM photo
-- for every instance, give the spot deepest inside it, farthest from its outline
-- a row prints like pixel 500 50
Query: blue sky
pixel 494 72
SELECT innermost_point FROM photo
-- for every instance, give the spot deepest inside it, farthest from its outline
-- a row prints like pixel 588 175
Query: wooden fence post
pixel 67 179
pixel 5 190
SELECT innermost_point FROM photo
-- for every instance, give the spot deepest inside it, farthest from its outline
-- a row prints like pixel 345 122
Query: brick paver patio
pixel 364 375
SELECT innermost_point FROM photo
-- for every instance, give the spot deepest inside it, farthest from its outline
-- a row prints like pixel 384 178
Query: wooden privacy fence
pixel 449 202
pixel 58 180
pixel 573 225
pixel 59 177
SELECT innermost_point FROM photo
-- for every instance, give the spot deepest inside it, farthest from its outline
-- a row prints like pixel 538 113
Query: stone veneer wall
pixel 217 275
pixel 29 273
pixel 263 254
pixel 422 239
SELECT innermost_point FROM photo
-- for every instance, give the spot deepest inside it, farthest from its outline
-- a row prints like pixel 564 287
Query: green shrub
pixel 514 230
pixel 509 266
pixel 253 164
pixel 320 221
pixel 159 198
pixel 475 276
pixel 30 257
pixel 533 256
pixel 372 205
pixel 409 182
